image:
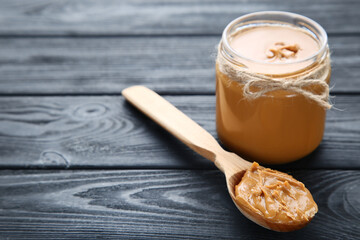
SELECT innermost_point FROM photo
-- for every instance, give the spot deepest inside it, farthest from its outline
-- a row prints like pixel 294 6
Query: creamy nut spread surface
pixel 274 43
pixel 275 195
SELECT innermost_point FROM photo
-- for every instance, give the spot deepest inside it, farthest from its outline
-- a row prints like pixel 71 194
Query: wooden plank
pixel 107 65
pixel 106 132
pixel 171 204
pixel 86 17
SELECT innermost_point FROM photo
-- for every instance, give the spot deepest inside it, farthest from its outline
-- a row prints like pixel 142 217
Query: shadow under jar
pixel 278 125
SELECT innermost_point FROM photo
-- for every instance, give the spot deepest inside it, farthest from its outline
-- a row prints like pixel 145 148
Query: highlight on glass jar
pixel 272 86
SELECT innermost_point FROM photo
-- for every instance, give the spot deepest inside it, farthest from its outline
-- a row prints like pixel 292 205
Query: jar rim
pixel 297 18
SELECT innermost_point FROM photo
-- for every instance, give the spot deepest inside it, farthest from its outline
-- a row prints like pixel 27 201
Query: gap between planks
pixel 162 93
pixel 141 35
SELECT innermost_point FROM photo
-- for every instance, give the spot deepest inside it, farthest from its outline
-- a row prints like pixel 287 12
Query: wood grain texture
pixel 171 204
pixel 44 17
pixel 107 132
pixel 89 47
pixel 180 65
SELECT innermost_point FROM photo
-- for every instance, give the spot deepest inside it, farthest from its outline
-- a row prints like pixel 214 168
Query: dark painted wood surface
pixel 175 65
pixel 107 132
pixel 63 65
pixel 127 17
pixel 172 204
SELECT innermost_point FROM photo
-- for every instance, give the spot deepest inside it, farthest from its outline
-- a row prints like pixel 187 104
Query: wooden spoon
pixel 198 139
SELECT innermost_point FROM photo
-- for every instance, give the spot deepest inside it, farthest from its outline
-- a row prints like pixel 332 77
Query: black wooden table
pixel 78 162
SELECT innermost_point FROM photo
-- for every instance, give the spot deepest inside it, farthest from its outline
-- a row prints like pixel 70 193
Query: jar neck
pixel 282 69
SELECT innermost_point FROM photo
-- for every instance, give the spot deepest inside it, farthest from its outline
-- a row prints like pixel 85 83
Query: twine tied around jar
pixel 263 84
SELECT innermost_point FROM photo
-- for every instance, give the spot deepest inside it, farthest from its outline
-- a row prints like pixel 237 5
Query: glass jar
pixel 280 126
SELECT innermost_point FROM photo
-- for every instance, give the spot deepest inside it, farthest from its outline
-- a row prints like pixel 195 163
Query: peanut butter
pixel 276 196
pixel 281 51
pixel 280 126
pixel 274 43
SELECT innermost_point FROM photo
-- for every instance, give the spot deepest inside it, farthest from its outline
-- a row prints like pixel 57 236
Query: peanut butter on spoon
pixel 269 198
pixel 275 196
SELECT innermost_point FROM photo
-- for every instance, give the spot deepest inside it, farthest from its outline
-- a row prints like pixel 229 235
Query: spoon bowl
pixel 190 133
pixel 234 168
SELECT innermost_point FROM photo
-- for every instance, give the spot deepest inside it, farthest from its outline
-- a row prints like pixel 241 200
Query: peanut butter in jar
pixel 272 76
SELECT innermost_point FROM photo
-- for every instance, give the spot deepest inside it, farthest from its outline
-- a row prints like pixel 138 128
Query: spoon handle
pixel 174 121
